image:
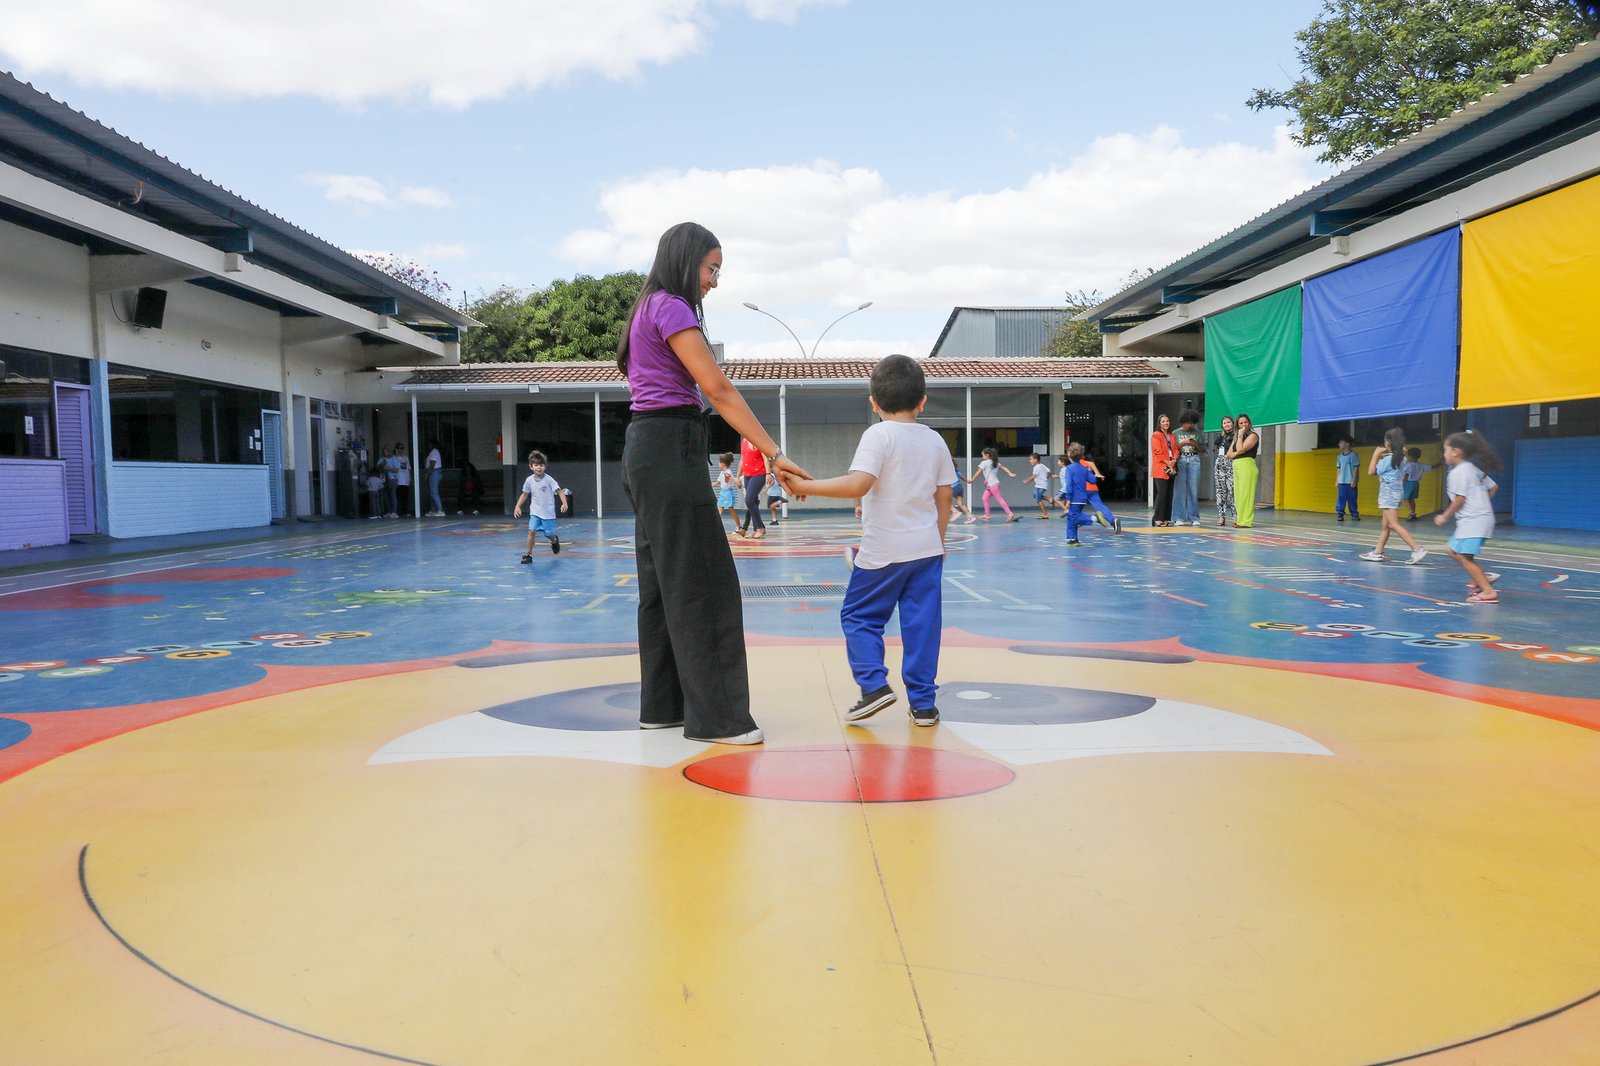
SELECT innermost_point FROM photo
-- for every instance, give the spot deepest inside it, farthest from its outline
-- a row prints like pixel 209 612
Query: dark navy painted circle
pixel 13 732
pixel 1006 704
pixel 602 708
pixel 1127 655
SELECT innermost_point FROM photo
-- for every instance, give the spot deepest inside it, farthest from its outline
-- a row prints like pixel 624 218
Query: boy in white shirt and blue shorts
pixel 902 475
pixel 539 493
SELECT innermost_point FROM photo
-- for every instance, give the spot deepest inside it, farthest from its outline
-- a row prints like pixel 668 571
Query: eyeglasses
pixel 716 272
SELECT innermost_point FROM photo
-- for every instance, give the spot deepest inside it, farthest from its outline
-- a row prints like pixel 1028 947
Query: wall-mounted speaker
pixel 150 308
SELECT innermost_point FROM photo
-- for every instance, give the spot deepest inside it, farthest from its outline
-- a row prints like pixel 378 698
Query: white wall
pixel 44 293
pixel 158 499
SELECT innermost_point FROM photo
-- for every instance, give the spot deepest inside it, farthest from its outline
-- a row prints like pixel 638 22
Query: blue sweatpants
pixel 1100 505
pixel 1346 498
pixel 1076 519
pixel 916 588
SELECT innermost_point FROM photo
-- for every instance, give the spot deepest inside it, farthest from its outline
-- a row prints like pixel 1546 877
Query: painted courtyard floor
pixel 374 791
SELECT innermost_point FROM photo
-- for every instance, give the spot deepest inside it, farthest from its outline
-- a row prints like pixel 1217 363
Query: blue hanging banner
pixel 1381 334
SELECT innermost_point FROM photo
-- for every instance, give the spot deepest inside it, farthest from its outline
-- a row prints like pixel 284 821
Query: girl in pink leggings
pixel 990 468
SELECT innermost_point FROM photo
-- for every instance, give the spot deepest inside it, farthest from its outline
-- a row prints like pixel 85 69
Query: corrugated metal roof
pixel 1553 105
pixel 814 371
pixel 1010 331
pixel 47 138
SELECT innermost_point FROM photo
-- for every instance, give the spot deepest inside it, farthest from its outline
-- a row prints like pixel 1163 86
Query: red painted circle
pixel 875 773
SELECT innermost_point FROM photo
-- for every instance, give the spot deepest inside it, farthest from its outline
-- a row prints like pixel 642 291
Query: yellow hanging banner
pixel 1529 277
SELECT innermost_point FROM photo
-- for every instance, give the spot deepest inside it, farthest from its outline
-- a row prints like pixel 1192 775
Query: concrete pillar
pixel 510 458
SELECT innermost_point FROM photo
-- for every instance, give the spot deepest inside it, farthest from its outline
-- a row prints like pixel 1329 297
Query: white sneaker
pixel 1375 557
pixel 752 737
pixel 1419 555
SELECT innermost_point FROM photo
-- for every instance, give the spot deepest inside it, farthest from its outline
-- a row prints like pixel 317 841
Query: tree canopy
pixel 1376 71
pixel 1081 340
pixel 566 321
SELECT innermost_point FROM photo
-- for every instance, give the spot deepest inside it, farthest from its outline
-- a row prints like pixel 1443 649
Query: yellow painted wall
pixel 1306 481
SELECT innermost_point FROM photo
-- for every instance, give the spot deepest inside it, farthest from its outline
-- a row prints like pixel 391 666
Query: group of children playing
pixel 726 486
pixel 1079 479
pixel 1469 495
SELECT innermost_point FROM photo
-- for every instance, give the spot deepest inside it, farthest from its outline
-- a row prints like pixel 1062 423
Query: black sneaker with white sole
pixel 555 544
pixel 870 704
pixel 924 716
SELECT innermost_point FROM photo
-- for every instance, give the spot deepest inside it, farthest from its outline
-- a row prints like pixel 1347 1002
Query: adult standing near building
pixel 402 474
pixel 1246 444
pixel 434 465
pixel 1186 484
pixel 691 619
pixel 1222 472
pixel 1163 464
pixel 753 468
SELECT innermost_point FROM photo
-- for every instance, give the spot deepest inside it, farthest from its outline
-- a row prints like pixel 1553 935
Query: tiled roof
pixel 511 375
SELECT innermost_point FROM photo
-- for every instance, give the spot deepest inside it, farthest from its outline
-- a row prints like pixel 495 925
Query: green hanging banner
pixel 1253 361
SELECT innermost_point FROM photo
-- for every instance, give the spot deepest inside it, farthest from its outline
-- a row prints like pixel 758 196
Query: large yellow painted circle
pixel 1198 906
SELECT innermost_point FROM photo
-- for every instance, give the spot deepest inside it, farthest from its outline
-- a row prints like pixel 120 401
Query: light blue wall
pixel 160 499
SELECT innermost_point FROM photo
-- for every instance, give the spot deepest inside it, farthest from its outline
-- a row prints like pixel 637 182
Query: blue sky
pixel 918 156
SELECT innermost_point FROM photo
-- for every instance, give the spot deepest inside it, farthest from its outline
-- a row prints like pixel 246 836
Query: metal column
pixel 416 483
pixel 1149 434
pixel 969 436
pixel 783 434
pixel 599 511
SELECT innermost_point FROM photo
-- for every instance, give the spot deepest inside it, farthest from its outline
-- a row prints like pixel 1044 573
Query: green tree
pixel 1376 71
pixel 1075 340
pixel 1081 340
pixel 567 321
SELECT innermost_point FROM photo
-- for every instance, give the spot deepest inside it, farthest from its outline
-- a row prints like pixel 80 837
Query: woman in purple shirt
pixel 691 619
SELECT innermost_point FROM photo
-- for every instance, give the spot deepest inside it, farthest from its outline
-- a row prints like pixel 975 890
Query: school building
pixel 1444 283
pixel 173 357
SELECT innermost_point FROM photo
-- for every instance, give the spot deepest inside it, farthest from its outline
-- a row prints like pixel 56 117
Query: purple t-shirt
pixel 656 376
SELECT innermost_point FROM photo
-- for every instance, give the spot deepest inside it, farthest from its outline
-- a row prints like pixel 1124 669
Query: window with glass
pixel 164 418
pixel 565 431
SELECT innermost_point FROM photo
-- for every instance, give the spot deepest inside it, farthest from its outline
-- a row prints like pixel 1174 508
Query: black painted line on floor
pixel 88 897
pixel 1490 1036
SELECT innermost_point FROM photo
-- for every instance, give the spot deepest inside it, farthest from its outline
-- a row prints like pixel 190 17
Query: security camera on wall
pixel 150 308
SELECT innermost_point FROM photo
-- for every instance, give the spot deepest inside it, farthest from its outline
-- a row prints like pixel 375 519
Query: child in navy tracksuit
pixel 1075 488
pixel 902 475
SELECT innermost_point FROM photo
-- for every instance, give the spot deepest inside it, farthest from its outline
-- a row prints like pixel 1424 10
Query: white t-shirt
pixel 899 521
pixel 402 466
pixel 1041 476
pixel 541 496
pixel 434 462
pixel 990 472
pixel 1476 517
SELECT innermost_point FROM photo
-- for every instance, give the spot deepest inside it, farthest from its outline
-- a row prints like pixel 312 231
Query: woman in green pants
pixel 1246 443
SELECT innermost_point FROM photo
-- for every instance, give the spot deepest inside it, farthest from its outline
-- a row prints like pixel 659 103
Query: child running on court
pixel 958 493
pixel 1470 490
pixel 1412 472
pixel 902 475
pixel 1388 467
pixel 775 497
pixel 1097 503
pixel 727 494
pixel 539 493
pixel 1041 487
pixel 990 470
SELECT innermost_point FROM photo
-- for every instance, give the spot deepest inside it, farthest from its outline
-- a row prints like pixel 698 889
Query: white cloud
pixel 361 50
pixel 832 236
pixel 441 253
pixel 367 193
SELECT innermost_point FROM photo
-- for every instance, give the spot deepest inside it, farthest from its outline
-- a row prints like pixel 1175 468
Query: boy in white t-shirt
pixel 539 492
pixel 902 474
pixel 1041 486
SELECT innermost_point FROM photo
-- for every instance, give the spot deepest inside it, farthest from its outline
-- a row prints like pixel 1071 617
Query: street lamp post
pixel 796 336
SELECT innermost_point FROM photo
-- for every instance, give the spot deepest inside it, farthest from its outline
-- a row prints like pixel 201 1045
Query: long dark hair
pixel 676 271
pixel 1477 450
pixel 1396 440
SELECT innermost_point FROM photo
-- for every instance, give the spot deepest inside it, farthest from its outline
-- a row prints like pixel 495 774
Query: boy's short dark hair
pixel 1061 458
pixel 536 456
pixel 1346 440
pixel 1189 417
pixel 1074 451
pixel 898 384
pixel 1413 454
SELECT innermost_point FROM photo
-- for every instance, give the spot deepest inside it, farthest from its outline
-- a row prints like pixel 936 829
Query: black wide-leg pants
pixel 691 617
